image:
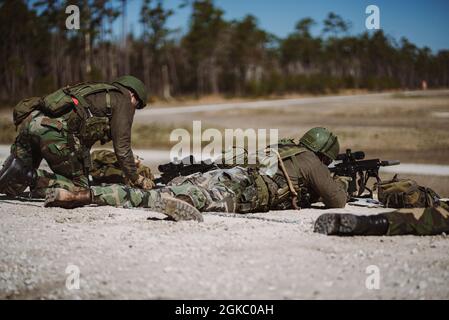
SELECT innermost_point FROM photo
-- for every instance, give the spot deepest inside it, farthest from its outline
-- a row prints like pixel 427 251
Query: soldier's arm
pixel 121 124
pixel 318 176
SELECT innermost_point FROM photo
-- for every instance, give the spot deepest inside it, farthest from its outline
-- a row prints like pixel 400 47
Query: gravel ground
pixel 123 253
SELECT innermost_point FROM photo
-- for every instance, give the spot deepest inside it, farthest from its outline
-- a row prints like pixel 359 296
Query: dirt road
pixel 124 253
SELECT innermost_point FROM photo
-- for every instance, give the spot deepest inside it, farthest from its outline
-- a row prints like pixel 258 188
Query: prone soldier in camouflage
pixel 238 189
pixel 407 221
pixel 61 128
pixel 421 212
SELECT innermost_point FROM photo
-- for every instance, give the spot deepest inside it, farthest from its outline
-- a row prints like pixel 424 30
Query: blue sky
pixel 425 23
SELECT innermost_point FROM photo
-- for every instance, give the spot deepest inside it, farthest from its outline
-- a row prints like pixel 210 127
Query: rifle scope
pixel 351 156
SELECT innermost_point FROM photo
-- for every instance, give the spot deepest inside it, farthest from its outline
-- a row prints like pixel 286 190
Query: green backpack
pixel 106 168
pixel 24 108
pixel 63 101
pixel 405 193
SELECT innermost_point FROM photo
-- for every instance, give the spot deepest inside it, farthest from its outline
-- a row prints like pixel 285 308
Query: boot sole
pixel 178 210
pixel 327 223
pixel 335 224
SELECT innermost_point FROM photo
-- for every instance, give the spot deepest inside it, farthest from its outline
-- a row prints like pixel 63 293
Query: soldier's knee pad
pixel 15 177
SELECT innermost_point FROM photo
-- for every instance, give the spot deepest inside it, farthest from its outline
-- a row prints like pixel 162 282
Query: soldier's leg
pixel 416 221
pixel 124 196
pixel 59 149
pixel 17 173
pixel 419 221
pixel 221 190
pixel 207 191
pixel 26 146
pixel 47 180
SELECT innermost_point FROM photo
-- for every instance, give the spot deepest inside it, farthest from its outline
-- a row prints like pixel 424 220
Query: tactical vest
pixel 280 195
pixel 71 101
pixel 73 97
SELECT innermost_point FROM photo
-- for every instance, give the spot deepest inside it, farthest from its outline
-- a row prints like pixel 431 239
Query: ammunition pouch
pixel 255 197
pixel 95 129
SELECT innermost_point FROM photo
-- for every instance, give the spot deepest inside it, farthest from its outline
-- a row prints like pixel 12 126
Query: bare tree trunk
pixel 125 39
pixel 87 53
pixel 173 73
pixel 165 83
pixel 199 79
pixel 213 76
pixel 146 61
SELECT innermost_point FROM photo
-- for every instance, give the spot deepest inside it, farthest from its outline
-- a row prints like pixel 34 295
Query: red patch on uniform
pixel 75 101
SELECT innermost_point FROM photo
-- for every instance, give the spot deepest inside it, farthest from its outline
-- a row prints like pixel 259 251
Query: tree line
pixel 38 54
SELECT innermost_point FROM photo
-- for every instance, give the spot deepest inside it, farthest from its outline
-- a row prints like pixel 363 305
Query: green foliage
pixel 214 56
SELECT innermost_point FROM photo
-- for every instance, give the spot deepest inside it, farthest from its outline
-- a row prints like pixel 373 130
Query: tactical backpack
pixel 405 193
pixel 24 108
pixel 106 168
pixel 63 101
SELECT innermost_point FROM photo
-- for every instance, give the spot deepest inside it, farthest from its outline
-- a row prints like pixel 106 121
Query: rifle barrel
pixel 388 163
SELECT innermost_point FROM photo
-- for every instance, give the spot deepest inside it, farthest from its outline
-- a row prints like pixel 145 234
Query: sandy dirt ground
pixel 124 253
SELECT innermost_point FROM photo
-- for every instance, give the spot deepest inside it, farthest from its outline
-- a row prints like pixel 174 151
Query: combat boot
pixel 58 197
pixel 15 177
pixel 351 225
pixel 177 209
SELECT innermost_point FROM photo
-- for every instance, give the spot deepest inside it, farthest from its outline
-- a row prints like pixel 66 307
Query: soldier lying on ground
pixel 421 212
pixel 237 189
pixel 61 128
pixel 416 221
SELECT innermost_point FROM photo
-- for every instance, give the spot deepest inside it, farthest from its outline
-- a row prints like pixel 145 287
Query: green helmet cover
pixel 321 140
pixel 136 86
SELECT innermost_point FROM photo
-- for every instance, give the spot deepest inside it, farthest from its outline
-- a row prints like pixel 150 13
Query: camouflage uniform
pixel 419 221
pixel 41 137
pixel 222 190
pixel 239 189
pixel 50 138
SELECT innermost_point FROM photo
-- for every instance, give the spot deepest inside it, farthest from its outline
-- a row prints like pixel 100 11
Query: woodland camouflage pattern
pixel 244 190
pixel 42 137
pixel 222 190
pixel 419 221
pixel 46 138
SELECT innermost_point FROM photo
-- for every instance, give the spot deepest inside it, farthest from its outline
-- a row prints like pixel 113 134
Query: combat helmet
pixel 136 86
pixel 321 140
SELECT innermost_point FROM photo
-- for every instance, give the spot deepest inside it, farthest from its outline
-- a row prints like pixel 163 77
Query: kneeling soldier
pixel 62 127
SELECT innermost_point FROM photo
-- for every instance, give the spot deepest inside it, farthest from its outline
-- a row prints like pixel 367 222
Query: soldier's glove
pixel 343 180
pixel 144 183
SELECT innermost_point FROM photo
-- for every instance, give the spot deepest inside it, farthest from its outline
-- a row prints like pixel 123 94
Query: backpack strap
pixel 80 91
